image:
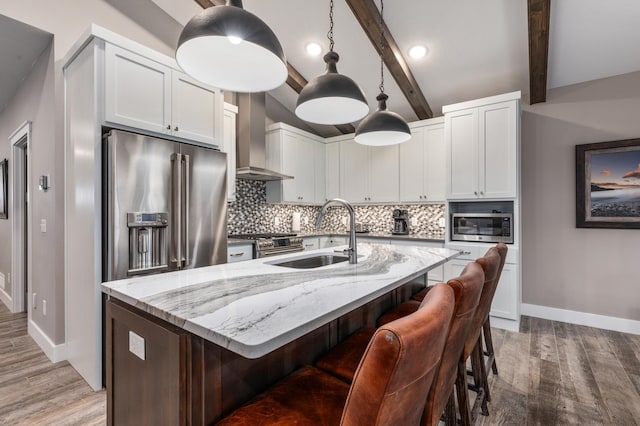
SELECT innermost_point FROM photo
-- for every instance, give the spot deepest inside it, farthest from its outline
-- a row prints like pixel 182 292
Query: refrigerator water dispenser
pixel 147 242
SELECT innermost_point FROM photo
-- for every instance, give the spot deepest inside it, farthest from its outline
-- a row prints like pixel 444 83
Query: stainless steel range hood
pixel 251 153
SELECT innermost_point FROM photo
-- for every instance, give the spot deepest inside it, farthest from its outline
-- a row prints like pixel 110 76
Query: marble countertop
pixel 255 307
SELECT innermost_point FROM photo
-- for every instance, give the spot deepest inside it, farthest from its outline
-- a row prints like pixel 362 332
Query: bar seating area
pixel 411 370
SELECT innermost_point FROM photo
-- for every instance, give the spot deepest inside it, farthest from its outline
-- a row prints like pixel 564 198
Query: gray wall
pixel 42 103
pixel 586 270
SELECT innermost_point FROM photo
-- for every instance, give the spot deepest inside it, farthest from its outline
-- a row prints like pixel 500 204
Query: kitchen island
pixel 203 341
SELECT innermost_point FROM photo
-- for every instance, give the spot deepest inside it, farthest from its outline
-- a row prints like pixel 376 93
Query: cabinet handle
pixel 175 128
pixel 308 245
pixel 481 192
pixel 475 192
pixel 168 126
pixel 236 254
pixel 465 252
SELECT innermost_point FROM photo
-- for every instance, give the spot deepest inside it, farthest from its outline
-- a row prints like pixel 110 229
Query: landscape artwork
pixel 608 184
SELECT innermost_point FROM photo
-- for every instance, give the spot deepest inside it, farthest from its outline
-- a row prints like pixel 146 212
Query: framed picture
pixel 608 184
pixel 4 189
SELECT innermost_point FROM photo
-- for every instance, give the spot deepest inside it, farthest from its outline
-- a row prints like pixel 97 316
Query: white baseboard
pixel 55 353
pixel 6 299
pixel 505 324
pixel 581 318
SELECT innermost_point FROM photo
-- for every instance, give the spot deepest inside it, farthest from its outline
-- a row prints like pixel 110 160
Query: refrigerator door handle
pixel 176 212
pixel 186 169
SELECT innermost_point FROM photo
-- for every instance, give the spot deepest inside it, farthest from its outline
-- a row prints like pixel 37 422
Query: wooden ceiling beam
pixel 368 15
pixel 539 12
pixel 295 80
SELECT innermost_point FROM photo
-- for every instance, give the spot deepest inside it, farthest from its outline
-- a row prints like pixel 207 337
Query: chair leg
pixel 461 393
pixel 488 340
pixel 484 382
pixel 450 411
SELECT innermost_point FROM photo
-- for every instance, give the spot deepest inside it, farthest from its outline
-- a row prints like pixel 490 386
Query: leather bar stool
pixel 341 361
pixel 490 263
pixel 389 387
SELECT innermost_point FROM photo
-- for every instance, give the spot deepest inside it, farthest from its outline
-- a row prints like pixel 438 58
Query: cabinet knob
pixel 481 192
pixel 175 128
pixel 168 126
pixel 475 192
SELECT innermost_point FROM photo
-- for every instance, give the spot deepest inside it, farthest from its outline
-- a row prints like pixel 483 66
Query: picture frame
pixel 4 189
pixel 608 184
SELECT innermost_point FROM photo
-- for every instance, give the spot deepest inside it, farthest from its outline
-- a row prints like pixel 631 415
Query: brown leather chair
pixel 340 361
pixel 389 387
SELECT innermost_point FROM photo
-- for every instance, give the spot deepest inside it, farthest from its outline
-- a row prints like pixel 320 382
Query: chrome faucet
pixel 352 251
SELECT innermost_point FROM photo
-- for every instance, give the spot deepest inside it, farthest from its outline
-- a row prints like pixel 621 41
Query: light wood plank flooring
pixel 551 373
pixel 33 391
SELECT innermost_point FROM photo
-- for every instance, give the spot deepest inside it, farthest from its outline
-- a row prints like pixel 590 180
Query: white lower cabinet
pixel 311 243
pixel 239 252
pixel 326 242
pixel 506 301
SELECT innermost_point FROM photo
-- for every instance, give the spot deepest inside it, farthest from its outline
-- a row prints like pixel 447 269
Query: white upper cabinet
pixel 482 147
pixel 320 157
pixel 369 174
pixel 144 94
pixel 229 146
pixel 293 152
pixel 332 170
pixel 423 164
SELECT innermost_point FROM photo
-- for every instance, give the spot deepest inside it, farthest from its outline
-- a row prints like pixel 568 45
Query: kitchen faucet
pixel 352 251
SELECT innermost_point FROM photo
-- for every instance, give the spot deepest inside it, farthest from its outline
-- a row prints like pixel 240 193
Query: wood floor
pixel 551 373
pixel 33 391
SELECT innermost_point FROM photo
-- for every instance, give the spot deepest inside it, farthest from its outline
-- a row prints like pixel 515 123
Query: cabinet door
pixel 320 158
pixel 461 137
pixel 498 150
pixel 412 167
pixel 196 109
pixel 435 163
pixel 229 146
pixel 137 91
pixel 506 299
pixel 384 174
pixel 306 166
pixel 354 172
pixel 332 171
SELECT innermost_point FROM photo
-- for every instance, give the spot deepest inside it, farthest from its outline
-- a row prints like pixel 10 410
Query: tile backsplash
pixel 250 213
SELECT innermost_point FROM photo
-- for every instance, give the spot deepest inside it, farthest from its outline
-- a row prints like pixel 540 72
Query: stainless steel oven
pixel 482 227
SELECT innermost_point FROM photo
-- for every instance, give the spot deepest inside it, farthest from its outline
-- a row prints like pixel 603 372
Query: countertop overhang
pixel 255 307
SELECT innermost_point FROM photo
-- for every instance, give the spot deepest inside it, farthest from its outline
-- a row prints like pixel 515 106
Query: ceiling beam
pixel 368 15
pixel 539 12
pixel 295 80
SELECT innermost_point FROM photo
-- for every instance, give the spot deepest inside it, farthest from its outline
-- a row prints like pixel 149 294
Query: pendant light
pixel 232 49
pixel 331 98
pixel 382 127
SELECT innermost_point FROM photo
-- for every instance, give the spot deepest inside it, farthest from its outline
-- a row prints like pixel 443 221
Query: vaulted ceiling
pixel 476 48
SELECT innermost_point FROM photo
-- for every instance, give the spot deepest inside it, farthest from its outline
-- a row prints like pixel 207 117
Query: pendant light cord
pixel 381 87
pixel 330 33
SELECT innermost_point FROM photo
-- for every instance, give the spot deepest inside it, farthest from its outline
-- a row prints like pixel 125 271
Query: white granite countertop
pixel 255 307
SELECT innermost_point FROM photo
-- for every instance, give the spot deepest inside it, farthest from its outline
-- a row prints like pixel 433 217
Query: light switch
pixel 441 222
pixel 43 225
pixel 414 221
pixel 136 345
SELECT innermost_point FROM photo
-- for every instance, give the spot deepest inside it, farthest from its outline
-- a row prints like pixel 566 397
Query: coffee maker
pixel 400 222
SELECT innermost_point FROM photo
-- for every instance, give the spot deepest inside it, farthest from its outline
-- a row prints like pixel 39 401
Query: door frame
pixel 20 231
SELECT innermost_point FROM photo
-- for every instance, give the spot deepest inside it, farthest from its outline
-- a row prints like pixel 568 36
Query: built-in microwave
pixel 482 227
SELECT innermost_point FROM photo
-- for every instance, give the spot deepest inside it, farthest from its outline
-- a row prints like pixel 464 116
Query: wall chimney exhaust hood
pixel 251 153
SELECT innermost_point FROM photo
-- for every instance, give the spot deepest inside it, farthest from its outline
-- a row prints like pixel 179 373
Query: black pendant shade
pixel 230 48
pixel 331 98
pixel 382 127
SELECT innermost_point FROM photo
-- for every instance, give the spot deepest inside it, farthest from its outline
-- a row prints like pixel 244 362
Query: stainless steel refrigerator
pixel 165 205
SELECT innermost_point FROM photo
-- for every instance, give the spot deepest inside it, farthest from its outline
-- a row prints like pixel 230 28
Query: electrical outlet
pixel 44 307
pixel 441 222
pixel 43 225
pixel 414 221
pixel 34 299
pixel 276 221
pixel 136 345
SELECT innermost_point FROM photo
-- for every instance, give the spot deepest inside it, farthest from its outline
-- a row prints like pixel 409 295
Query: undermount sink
pixel 312 262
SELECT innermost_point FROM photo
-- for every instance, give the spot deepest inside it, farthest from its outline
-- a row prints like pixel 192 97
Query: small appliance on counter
pixel 362 227
pixel 400 222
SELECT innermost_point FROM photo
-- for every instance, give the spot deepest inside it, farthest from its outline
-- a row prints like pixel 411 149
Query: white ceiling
pixel 20 47
pixel 477 48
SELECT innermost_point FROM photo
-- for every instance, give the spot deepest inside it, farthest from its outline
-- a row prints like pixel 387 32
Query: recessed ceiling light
pixel 313 49
pixel 418 51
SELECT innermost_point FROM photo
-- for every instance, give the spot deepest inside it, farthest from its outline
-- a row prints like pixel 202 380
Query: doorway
pixel 20 217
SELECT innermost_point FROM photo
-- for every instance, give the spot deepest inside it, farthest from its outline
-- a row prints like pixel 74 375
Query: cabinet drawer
pixel 311 243
pixel 239 252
